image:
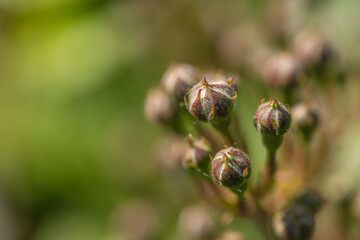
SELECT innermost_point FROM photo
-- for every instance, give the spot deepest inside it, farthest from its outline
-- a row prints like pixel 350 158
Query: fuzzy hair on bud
pixel 210 100
pixel 272 118
pixel 231 167
pixel 179 78
pixel 214 76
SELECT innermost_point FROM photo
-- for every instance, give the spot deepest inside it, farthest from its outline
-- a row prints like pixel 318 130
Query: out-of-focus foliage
pixel 75 149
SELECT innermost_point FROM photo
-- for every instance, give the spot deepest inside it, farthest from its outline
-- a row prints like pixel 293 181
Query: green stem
pixel 271 144
pixel 237 129
pixel 223 128
pixel 270 169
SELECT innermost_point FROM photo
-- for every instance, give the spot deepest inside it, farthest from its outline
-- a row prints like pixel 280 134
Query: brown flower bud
pixel 295 223
pixel 231 167
pixel 211 102
pixel 305 119
pixel 272 118
pixel 159 106
pixel 179 78
pixel 310 199
pixel 197 154
pixel 312 49
pixel 282 70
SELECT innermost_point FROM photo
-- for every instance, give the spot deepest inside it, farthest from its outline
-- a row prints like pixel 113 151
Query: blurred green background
pixel 74 145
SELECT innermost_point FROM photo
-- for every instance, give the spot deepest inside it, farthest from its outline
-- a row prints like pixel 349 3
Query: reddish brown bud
pixel 272 118
pixel 159 106
pixel 312 49
pixel 179 78
pixel 282 70
pixel 231 167
pixel 211 102
pixel 295 223
pixel 197 154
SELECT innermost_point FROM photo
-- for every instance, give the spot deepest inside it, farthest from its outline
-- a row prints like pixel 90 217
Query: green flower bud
pixel 159 106
pixel 272 118
pixel 211 102
pixel 179 78
pixel 282 70
pixel 231 167
pixel 197 155
pixel 295 223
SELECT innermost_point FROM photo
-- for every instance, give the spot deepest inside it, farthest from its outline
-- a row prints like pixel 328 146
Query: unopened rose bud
pixel 305 119
pixel 309 199
pixel 272 118
pixel 160 107
pixel 282 70
pixel 231 167
pixel 312 49
pixel 197 154
pixel 211 102
pixel 179 78
pixel 295 223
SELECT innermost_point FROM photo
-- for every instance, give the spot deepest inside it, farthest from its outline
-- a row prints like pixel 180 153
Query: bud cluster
pixel 211 100
pixel 203 103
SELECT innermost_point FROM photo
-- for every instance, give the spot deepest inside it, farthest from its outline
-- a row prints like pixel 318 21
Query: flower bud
pixel 282 70
pixel 295 223
pixel 211 102
pixel 159 106
pixel 179 78
pixel 312 49
pixel 231 167
pixel 197 154
pixel 310 199
pixel 305 119
pixel 272 118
